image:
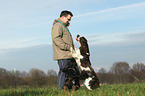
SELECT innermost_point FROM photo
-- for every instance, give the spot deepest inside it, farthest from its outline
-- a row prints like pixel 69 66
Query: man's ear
pixel 62 17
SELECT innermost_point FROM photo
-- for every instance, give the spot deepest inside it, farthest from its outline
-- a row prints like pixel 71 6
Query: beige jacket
pixel 62 41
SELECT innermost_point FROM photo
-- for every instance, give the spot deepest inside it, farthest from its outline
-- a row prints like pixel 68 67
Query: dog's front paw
pixel 71 49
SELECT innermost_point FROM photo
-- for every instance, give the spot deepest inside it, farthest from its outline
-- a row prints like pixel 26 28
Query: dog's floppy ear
pixel 83 40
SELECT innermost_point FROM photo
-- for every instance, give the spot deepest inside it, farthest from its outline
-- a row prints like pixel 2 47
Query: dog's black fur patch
pixel 72 75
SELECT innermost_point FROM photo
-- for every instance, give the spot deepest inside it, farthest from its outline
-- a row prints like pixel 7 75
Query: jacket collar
pixel 62 21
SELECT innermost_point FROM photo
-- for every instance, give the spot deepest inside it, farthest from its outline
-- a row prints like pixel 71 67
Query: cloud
pixel 20 43
pixel 142 4
pixel 128 12
pixel 117 39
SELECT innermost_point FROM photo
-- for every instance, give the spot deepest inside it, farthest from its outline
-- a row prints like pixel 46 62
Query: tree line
pixel 120 72
pixel 33 78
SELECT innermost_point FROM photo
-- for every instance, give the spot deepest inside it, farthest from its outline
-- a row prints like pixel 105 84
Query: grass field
pixel 135 89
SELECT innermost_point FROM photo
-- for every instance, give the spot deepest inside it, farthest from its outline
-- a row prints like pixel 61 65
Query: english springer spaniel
pixel 72 76
pixel 81 56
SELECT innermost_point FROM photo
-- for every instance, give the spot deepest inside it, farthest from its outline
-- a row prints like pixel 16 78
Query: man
pixel 62 42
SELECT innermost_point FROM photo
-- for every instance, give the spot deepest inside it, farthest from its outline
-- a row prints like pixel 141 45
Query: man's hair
pixel 65 13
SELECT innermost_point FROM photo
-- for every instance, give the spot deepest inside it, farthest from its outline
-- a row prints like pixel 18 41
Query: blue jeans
pixel 61 75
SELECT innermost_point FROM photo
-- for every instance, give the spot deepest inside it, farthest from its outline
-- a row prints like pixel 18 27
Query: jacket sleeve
pixel 57 33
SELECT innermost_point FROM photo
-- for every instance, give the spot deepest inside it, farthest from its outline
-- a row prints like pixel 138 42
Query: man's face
pixel 67 19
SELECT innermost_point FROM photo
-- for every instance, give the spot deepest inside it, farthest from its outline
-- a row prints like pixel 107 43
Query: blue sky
pixel 105 23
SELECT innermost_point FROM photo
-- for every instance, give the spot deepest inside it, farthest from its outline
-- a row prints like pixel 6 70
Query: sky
pixel 115 30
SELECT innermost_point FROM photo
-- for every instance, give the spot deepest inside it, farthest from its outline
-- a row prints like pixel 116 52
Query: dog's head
pixel 83 45
pixel 82 40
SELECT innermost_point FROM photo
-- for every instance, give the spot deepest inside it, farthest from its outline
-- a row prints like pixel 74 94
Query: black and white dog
pixel 81 56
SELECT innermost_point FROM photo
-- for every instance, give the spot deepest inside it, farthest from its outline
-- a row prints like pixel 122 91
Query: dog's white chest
pixel 77 55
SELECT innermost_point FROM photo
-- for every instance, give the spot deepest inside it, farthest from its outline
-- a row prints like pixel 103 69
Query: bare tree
pixel 2 71
pixel 121 70
pixel 52 77
pixel 139 67
pixel 6 81
pixel 138 72
pixel 103 76
pixel 102 70
pixel 38 77
pixel 51 73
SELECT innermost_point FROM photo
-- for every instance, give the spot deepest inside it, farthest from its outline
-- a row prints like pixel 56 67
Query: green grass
pixel 135 89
